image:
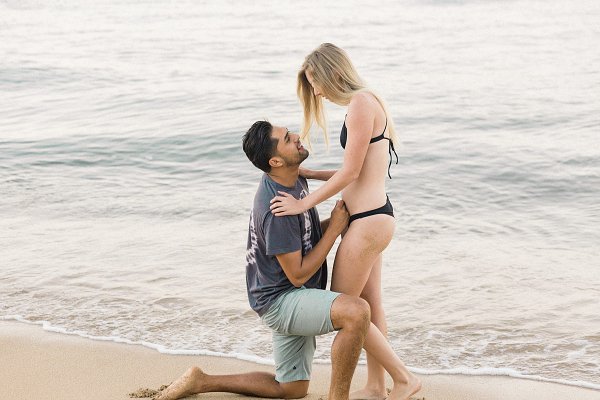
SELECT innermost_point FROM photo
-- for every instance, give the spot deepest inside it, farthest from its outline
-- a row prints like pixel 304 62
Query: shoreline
pixel 37 364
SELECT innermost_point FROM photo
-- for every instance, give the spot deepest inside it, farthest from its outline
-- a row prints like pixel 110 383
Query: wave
pixel 485 371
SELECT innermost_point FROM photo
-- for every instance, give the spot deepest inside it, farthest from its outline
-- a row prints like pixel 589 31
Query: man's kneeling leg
pixel 296 318
pixel 294 390
pixel 257 384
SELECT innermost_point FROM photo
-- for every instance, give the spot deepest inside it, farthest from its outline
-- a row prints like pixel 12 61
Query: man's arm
pixel 300 269
pixel 325 225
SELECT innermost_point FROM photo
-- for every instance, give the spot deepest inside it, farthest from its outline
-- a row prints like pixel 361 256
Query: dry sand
pixel 40 365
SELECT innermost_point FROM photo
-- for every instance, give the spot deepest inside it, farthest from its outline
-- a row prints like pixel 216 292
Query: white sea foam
pixel 486 371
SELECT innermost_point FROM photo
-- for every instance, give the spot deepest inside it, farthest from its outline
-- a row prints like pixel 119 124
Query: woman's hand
pixel 318 175
pixel 304 172
pixel 286 204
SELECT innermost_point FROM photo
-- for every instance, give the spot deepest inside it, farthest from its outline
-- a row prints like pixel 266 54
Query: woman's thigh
pixel 372 290
pixel 359 249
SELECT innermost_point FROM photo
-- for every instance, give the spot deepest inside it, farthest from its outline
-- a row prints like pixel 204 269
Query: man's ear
pixel 275 162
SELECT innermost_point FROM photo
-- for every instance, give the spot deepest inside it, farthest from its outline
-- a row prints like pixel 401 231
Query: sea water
pixel 125 195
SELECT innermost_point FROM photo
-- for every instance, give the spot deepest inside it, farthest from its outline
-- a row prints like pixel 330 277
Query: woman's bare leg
pixel 361 246
pixel 375 386
pixel 356 257
pixel 405 383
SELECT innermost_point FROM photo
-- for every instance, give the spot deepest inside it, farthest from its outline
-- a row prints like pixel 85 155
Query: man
pixel 286 274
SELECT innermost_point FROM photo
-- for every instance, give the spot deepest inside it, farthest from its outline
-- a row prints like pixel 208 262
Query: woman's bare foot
pixel 402 391
pixel 369 394
pixel 188 384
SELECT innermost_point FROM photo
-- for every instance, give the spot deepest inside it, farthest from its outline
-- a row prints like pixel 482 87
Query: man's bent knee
pixel 350 312
pixel 294 390
pixel 362 313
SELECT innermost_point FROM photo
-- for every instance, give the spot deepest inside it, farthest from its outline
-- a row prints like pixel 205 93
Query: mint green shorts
pixel 296 318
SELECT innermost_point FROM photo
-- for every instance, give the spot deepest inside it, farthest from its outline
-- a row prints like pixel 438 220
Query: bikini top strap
pixel 378 138
pixel 394 150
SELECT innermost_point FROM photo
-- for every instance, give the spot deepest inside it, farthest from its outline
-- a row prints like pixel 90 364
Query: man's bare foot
pixel 188 384
pixel 402 391
pixel 368 394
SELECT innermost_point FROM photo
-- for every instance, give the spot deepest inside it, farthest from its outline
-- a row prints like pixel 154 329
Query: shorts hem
pixel 288 380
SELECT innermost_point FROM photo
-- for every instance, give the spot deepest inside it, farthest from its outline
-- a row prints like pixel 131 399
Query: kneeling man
pixel 286 276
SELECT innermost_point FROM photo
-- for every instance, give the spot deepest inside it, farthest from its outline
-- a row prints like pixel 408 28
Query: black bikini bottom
pixel 385 209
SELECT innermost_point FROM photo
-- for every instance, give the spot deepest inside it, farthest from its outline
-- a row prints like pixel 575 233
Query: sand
pixel 40 365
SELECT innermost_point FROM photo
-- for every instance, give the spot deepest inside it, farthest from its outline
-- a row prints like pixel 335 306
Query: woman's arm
pixel 359 124
pixel 318 175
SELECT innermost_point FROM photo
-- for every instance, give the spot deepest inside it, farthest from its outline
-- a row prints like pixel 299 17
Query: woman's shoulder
pixel 364 97
pixel 363 103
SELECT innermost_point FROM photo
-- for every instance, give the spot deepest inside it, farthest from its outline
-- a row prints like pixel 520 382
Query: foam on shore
pixel 486 371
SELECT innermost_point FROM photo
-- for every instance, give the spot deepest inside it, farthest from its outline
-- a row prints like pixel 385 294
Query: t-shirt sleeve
pixel 282 234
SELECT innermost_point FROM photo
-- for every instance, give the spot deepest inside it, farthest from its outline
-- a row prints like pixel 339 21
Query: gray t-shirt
pixel 269 235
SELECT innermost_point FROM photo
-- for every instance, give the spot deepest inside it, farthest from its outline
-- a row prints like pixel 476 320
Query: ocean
pixel 125 195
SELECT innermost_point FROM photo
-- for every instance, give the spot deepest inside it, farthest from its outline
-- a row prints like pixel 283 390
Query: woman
pixel 368 136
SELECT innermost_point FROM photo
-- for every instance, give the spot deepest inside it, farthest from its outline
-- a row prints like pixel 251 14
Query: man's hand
pixel 339 218
pixel 300 268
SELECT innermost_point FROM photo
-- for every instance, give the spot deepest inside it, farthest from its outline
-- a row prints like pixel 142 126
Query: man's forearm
pixel 300 269
pixel 313 260
pixel 324 225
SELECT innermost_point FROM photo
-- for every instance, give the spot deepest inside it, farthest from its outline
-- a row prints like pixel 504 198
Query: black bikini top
pixel 344 137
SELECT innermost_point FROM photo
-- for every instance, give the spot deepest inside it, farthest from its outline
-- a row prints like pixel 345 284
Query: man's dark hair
pixel 259 146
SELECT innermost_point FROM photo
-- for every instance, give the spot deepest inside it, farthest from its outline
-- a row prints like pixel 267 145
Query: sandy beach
pixel 36 364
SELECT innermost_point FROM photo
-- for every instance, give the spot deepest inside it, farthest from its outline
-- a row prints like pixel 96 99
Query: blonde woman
pixel 368 137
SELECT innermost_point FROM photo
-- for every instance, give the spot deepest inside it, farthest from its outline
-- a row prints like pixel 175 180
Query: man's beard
pixel 302 155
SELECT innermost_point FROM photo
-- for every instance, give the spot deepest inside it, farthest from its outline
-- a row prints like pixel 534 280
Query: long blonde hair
pixel 331 70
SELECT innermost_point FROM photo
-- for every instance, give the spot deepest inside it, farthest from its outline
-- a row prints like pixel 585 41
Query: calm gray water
pixel 125 195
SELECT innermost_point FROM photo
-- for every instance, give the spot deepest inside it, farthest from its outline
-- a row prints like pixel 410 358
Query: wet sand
pixel 40 365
